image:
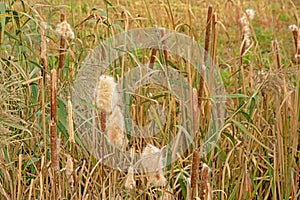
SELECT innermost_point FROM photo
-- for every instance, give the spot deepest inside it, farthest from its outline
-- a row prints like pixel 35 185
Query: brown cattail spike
pixel 195 172
pixel 204 182
pixel 206 51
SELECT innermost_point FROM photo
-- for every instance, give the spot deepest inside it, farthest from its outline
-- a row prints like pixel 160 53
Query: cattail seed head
pixel 70 121
pixel 69 170
pixel 130 182
pixel 116 128
pixel 64 30
pixel 244 21
pixel 152 163
pixel 106 93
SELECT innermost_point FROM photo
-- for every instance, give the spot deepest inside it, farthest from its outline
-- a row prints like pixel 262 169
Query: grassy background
pixel 257 156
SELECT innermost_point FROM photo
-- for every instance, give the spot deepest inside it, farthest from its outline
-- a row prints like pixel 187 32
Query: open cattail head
pixel 69 170
pixel 152 163
pixel 64 30
pixel 157 178
pixel 106 93
pixel 116 129
pixel 244 21
pixel 130 182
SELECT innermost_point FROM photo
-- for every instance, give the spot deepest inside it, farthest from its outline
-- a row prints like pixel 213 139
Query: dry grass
pixel 257 154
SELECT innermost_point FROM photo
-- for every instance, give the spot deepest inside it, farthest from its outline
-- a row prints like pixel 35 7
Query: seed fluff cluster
pixel 152 163
pixel 64 30
pixel 245 23
pixel 107 98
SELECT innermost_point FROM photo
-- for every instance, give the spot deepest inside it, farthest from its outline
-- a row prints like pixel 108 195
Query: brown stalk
pixel 43 112
pixel 214 38
pixel 195 172
pixel 295 114
pixel 152 58
pixel 153 53
pixel 62 49
pixel 54 156
pixel 53 95
pixel 206 50
pixel 277 53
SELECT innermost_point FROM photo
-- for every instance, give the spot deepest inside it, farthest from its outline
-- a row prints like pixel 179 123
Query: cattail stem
pixel 44 112
pixel 152 58
pixel 62 49
pixel 277 53
pixel 53 95
pixel 195 172
pixel 54 157
pixel 214 38
pixel 206 51
pixel 295 122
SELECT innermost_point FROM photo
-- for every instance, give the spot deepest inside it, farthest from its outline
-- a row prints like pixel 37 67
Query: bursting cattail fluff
pixel 69 170
pixel 151 160
pixel 130 182
pixel 64 30
pixel 106 93
pixel 244 20
pixel 296 33
pixel 116 128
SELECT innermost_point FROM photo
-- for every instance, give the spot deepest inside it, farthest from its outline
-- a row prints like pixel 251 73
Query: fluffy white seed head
pixel 64 30
pixel 293 27
pixel 250 13
pixel 106 93
pixel 152 163
pixel 116 129
pixel 130 182
pixel 244 21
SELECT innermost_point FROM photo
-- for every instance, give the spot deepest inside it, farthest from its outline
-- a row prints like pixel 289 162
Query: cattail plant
pixel 107 95
pixel 205 190
pixel 69 171
pixel 295 119
pixel 116 128
pixel 53 130
pixel 65 32
pixel 130 182
pixel 246 31
pixel 152 163
pixel 195 172
pixel 246 41
pixel 70 121
pixel 206 50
